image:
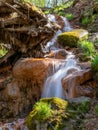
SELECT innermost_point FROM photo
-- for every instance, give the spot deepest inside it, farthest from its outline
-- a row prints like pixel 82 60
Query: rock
pixel 57 54
pixel 85 65
pixel 34 70
pixel 72 37
pixel 93 37
pixel 71 82
pixel 54 111
pixel 79 100
pixel 12 91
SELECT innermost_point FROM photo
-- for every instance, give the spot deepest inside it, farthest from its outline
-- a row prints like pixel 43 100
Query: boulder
pixel 58 54
pixel 71 82
pixel 47 111
pixel 34 69
pixel 71 38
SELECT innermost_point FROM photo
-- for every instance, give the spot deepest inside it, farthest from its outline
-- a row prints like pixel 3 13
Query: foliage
pixel 69 16
pixel 77 113
pixel 87 47
pixel 96 110
pixel 88 20
pixel 95 64
pixel 59 9
pixel 3 51
pixel 85 21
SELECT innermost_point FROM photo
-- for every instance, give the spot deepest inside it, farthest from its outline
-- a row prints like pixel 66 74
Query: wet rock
pixel 71 82
pixel 34 70
pixel 58 54
pixel 72 37
pixel 85 65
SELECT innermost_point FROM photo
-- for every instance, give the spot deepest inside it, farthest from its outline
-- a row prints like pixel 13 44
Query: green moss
pixel 3 51
pixel 72 38
pixel 51 110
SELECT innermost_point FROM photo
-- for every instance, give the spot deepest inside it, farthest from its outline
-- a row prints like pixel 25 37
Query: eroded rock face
pixel 72 81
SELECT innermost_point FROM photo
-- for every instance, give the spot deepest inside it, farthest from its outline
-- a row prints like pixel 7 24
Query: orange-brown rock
pixel 58 54
pixel 71 82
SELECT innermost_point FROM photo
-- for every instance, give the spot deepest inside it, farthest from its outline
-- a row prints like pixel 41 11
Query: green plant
pixel 86 21
pixel 43 111
pixel 3 51
pixel 87 47
pixel 95 64
pixel 96 110
pixel 48 110
pixel 83 107
pixel 69 16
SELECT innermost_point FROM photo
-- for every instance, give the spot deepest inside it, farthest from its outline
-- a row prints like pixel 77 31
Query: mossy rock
pixel 72 38
pixel 51 110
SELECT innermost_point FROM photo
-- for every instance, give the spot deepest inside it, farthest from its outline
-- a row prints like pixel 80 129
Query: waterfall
pixel 67 27
pixel 53 84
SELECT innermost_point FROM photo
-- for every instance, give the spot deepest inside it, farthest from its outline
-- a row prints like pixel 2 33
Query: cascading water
pixel 67 27
pixel 53 84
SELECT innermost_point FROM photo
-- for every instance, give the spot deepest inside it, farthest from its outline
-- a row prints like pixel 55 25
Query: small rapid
pixel 53 84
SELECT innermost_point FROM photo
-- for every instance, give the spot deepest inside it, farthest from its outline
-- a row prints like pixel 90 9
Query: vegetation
pixel 49 110
pixel 96 110
pixel 69 16
pixel 88 20
pixel 59 9
pixel 95 64
pixel 87 47
pixel 3 51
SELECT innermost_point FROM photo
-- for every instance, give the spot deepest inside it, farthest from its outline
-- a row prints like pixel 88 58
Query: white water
pixel 53 84
pixel 67 27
